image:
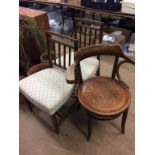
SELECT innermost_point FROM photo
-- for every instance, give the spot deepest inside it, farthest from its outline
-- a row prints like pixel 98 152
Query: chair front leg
pixel 124 117
pixel 55 123
pixel 28 104
pixel 89 126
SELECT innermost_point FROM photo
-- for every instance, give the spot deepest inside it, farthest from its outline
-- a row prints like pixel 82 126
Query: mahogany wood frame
pixel 52 40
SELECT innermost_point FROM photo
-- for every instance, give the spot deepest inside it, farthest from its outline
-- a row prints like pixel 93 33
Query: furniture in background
pixel 39 16
pixel 37 20
pixel 105 15
pixel 103 98
pixel 88 32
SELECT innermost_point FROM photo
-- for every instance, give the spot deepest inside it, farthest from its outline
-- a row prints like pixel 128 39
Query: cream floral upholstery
pixel 89 66
pixel 47 89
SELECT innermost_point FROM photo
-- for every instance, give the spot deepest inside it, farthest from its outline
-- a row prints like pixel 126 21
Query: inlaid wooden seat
pixel 103 98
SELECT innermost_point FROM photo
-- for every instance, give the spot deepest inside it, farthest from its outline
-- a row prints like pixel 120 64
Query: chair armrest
pixel 37 68
pixel 131 61
pixel 70 74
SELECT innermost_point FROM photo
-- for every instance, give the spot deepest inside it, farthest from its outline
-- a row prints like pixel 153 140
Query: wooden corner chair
pixel 46 86
pixel 103 98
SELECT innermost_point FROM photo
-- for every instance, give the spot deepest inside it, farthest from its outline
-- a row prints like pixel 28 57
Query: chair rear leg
pixel 89 126
pixel 55 123
pixel 124 117
pixel 29 105
pixel 98 70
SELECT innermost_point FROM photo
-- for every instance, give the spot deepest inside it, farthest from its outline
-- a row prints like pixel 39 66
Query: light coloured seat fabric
pixel 89 66
pixel 47 89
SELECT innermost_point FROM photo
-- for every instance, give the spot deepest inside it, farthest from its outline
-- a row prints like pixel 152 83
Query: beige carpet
pixel 38 138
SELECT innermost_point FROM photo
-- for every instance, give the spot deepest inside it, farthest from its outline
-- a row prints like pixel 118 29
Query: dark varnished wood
pixel 98 50
pixel 62 43
pixel 124 117
pixel 88 32
pixel 103 98
pixel 54 43
pixel 37 68
pixel 89 126
pixel 55 123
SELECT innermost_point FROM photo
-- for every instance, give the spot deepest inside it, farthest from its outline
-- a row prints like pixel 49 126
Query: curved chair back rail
pixel 103 98
pixel 98 50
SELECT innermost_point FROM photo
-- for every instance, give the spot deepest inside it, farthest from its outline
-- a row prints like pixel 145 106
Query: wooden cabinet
pixel 30 47
pixel 40 16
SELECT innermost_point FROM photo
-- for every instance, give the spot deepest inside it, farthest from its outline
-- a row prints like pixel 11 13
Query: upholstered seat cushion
pixel 47 89
pixel 89 66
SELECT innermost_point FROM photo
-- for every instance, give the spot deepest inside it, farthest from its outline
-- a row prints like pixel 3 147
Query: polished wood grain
pixel 100 49
pixel 104 96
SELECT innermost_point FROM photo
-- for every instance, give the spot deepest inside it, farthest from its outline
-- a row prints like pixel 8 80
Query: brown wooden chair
pixel 89 66
pixel 46 86
pixel 88 32
pixel 103 98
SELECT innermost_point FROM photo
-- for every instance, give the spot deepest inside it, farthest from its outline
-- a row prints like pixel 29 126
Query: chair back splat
pixel 88 32
pixel 60 48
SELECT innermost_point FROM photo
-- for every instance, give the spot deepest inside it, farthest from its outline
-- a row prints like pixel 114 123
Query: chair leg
pixel 124 117
pixel 98 72
pixel 55 123
pixel 29 105
pixel 89 126
pixel 78 106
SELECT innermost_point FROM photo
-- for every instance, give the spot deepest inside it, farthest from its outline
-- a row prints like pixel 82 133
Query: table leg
pixel 62 15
